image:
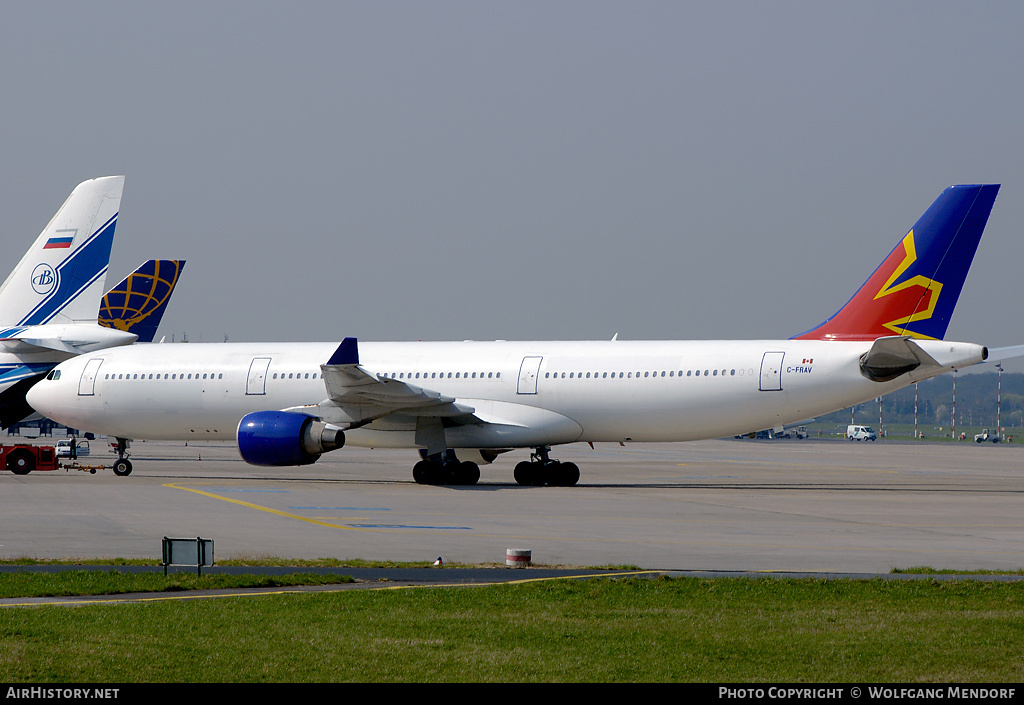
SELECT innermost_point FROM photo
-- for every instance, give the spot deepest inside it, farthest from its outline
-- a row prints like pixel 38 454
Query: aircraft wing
pixel 363 396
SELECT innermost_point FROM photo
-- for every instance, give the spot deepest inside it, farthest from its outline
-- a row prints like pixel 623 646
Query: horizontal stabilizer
pixel 32 345
pixel 893 356
pixel 1007 353
pixel 70 338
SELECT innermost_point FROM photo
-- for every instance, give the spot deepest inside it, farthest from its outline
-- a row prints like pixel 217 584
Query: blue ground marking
pixel 347 509
pixel 235 489
pixel 408 526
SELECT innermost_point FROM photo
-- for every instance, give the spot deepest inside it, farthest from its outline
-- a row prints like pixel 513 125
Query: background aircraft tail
pixel 913 292
pixel 60 279
pixel 137 304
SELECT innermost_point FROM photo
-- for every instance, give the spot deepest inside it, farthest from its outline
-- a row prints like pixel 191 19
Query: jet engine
pixel 275 438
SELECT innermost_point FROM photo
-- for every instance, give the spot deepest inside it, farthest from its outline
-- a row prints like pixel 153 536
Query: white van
pixel 64 448
pixel 860 433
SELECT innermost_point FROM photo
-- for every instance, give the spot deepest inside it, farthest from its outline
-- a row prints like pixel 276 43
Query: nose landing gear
pixel 122 466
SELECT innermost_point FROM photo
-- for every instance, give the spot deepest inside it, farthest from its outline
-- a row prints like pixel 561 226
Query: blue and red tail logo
pixel 913 292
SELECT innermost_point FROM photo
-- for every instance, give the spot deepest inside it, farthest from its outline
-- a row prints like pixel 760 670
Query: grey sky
pixel 541 170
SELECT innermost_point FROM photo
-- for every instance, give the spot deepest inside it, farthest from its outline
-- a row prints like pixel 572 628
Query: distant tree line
pixel 975 403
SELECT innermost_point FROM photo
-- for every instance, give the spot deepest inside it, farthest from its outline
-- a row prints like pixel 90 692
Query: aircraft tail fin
pixel 138 303
pixel 60 279
pixel 913 292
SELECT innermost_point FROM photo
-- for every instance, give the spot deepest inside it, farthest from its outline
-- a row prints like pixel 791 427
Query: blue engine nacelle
pixel 275 438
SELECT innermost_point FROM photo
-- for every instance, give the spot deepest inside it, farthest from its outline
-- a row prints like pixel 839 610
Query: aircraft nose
pixel 39 397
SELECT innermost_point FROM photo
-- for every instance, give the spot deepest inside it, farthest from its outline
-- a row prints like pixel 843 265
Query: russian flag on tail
pixel 61 242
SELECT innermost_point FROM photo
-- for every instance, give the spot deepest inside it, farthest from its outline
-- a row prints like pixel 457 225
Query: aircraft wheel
pixel 21 463
pixel 421 472
pixel 123 467
pixel 468 473
pixel 564 475
pixel 526 474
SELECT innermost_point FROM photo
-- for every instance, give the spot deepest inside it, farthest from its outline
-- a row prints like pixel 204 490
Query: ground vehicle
pixel 798 432
pixel 986 436
pixel 860 433
pixel 22 458
pixel 64 448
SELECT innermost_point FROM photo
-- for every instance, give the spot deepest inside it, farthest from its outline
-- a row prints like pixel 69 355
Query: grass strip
pixel 115 582
pixel 606 630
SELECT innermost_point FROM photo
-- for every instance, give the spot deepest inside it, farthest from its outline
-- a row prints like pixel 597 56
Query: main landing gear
pixel 445 469
pixel 122 466
pixel 543 470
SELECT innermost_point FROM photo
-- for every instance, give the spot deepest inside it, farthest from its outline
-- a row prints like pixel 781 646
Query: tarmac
pixel 794 507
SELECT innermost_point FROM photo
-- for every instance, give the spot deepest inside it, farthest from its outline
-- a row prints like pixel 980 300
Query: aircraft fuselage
pixel 528 393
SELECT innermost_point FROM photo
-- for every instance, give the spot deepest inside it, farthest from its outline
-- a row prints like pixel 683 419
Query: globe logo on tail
pixel 142 294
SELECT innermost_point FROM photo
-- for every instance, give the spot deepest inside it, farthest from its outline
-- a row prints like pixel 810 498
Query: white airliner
pixel 462 403
pixel 50 302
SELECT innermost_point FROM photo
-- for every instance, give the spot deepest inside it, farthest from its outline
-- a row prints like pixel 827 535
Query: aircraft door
pixel 771 372
pixel 87 385
pixel 257 381
pixel 528 372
